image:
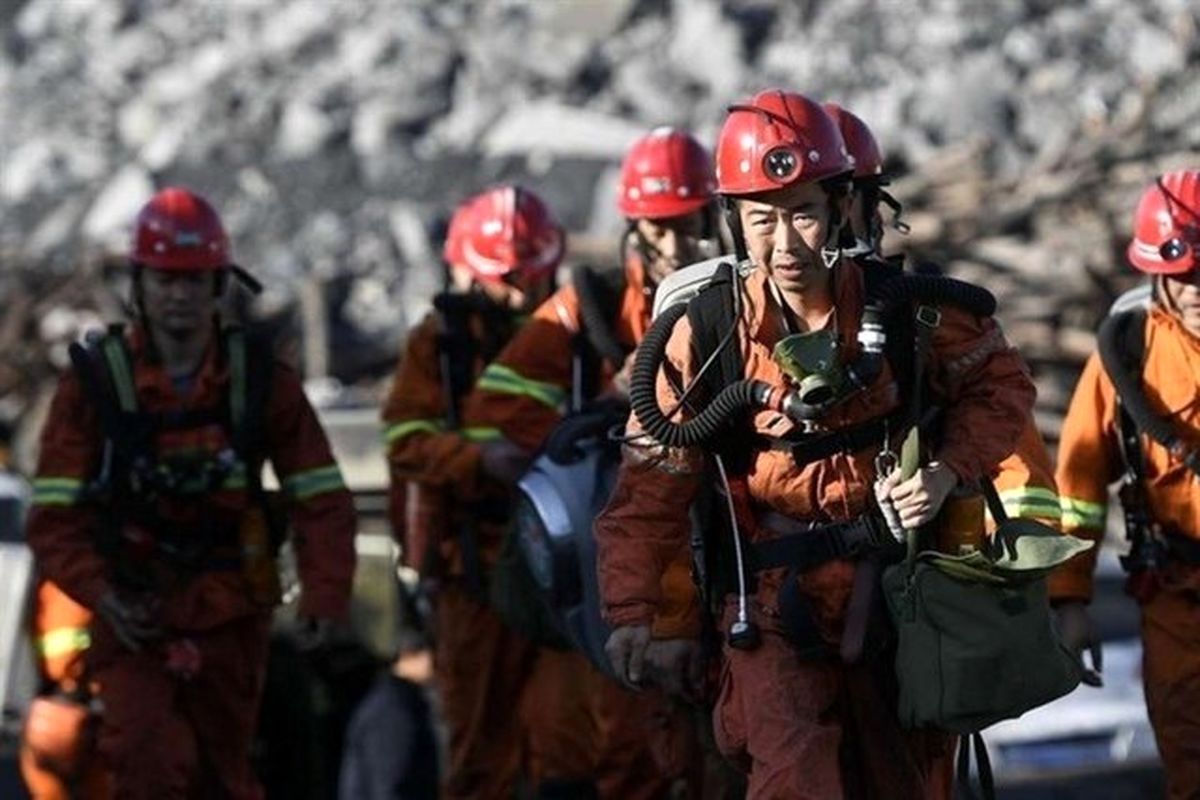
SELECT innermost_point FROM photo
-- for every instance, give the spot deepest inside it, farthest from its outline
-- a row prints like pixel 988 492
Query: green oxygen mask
pixel 810 361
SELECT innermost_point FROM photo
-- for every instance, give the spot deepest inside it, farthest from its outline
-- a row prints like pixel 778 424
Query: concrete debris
pixel 333 136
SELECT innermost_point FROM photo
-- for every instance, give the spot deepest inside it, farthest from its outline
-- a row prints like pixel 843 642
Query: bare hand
pixel 626 651
pixel 503 461
pixel 1077 633
pixel 135 624
pixel 918 499
pixel 676 665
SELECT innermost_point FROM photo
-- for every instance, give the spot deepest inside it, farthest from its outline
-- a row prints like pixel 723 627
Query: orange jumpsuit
pixel 505 708
pixel 162 736
pixel 522 395
pixel 1088 461
pixel 800 728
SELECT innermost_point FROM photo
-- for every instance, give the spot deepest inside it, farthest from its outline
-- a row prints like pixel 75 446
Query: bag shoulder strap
pixel 251 370
pixel 599 296
pixel 710 314
pixel 456 349
pixel 595 342
pixel 1123 368
pixel 105 371
pixel 983 764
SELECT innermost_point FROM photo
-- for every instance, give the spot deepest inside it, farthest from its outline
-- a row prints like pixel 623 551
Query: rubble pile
pixel 333 135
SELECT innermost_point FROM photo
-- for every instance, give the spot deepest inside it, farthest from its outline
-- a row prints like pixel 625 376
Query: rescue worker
pixel 1133 417
pixel 665 194
pixel 501 250
pixel 792 715
pixel 1025 480
pixel 148 513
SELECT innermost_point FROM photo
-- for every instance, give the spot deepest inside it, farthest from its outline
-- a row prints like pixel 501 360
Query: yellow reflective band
pixel 1031 501
pixel 398 431
pixel 503 380
pixel 63 642
pixel 56 491
pixel 312 482
pixel 121 372
pixel 481 434
pixel 1083 513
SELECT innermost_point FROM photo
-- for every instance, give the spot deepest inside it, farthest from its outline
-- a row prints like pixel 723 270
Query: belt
pixel 804 545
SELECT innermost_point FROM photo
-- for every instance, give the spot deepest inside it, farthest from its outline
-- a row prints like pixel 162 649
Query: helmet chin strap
pixel 830 256
pixel 831 251
pixel 734 221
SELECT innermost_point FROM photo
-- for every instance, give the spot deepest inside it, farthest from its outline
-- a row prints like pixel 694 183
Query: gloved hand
pixel 1077 633
pixel 134 623
pixel 676 665
pixel 626 651
pixel 503 461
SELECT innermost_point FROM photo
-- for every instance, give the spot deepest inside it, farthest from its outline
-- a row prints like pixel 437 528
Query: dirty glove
pixel 626 651
pixel 676 665
pixel 1077 633
pixel 503 461
pixel 134 623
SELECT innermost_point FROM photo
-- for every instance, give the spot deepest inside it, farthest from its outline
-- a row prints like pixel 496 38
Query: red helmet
pixel 179 230
pixel 666 173
pixel 1166 225
pixel 860 142
pixel 503 231
pixel 776 139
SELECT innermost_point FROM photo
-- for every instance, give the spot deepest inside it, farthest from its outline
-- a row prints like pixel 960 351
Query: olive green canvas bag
pixel 976 641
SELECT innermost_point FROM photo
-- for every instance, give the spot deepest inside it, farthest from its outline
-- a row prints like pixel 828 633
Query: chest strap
pixel 806 449
pixel 802 546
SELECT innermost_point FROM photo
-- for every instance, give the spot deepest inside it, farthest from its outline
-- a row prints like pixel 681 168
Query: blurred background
pixel 335 137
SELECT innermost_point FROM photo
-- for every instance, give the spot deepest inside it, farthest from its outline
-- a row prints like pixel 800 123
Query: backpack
pixel 132 477
pixel 1121 344
pixel 545 583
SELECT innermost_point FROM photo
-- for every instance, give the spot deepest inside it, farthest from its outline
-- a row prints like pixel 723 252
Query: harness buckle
pixel 929 316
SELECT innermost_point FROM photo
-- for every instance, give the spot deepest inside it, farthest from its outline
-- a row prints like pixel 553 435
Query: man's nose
pixel 786 236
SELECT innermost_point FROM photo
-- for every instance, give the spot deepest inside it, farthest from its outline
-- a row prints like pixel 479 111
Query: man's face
pixel 1183 291
pixel 784 231
pixel 178 302
pixel 671 243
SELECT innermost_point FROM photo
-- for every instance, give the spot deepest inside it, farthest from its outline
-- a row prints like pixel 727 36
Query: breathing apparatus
pixel 810 358
pixel 559 498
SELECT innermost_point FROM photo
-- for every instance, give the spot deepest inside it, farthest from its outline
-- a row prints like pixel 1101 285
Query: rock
pixel 303 130
pixel 548 127
pixel 111 215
